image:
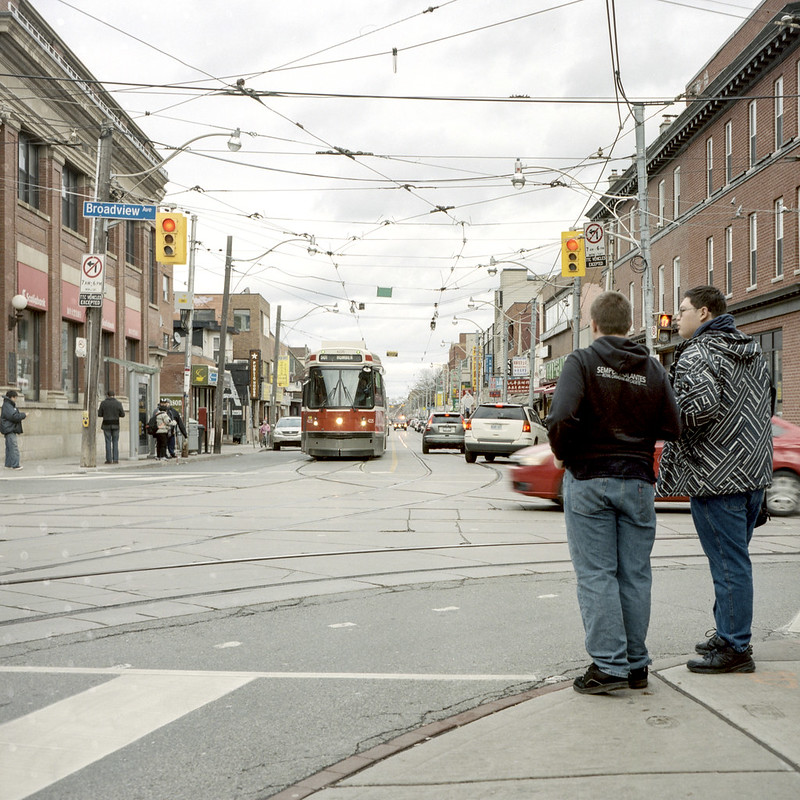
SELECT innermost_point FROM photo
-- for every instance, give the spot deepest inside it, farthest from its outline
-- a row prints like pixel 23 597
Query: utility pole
pixel 644 225
pixel 273 411
pixel 504 391
pixel 223 330
pixel 187 359
pixel 532 352
pixel 94 314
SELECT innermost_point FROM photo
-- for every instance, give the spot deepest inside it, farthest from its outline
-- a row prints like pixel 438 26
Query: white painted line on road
pixel 47 745
pixel 227 644
pixel 343 625
pixel 447 608
pixel 317 676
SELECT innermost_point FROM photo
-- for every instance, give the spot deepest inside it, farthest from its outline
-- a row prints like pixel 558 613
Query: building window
pixel 662 201
pixel 165 288
pixel 778 99
pixel 729 261
pixel 241 319
pixel 132 350
pixel 676 283
pixel 130 242
pixel 728 152
pixel 104 384
pixel 753 248
pixel 28 185
pixel 676 192
pixel 772 347
pixel 709 167
pixel 662 288
pixel 215 348
pixel 69 360
pixel 779 238
pixel 710 260
pixel 751 120
pixel 29 342
pixel 69 198
pixel 153 267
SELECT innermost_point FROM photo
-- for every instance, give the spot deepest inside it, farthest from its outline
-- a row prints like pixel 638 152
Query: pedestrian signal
pixel 573 254
pixel 171 238
pixel 664 328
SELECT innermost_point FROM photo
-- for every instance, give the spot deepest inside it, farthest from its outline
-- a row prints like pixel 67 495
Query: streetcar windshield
pixel 340 388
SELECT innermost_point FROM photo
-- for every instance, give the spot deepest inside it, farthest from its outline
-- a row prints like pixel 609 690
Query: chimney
pixel 667 120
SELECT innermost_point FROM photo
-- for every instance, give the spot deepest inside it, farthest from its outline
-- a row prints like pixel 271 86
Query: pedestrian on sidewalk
pixel 176 417
pixel 111 411
pixel 11 426
pixel 160 426
pixel 722 462
pixel 611 403
pixel 263 433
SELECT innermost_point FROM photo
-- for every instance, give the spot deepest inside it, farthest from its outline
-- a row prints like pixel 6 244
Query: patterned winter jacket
pixel 722 385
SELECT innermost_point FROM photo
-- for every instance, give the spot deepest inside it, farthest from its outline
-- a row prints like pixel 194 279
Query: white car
pixel 500 429
pixel 286 432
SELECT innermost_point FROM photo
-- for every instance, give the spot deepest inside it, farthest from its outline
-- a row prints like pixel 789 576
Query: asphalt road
pixel 307 664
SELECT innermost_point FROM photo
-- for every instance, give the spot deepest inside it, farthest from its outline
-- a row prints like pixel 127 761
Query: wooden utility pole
pixel 223 330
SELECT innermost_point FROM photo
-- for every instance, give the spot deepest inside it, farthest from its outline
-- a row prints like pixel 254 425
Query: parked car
pixel 500 429
pixel 444 429
pixel 535 474
pixel 286 432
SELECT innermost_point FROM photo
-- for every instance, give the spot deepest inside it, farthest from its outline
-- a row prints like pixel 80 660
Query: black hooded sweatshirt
pixel 611 404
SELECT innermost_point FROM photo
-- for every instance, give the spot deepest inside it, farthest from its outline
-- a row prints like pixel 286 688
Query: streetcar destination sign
pixel 118 210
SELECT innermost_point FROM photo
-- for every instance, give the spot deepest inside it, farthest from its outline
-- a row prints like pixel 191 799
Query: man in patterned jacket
pixel 722 462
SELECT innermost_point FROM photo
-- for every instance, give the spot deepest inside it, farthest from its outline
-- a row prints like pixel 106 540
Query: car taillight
pixel 526 427
pixel 467 424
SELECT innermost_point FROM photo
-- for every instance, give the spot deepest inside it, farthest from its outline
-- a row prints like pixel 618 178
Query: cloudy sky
pixel 434 102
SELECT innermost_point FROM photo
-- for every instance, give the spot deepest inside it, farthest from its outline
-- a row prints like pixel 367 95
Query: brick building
pixel 49 129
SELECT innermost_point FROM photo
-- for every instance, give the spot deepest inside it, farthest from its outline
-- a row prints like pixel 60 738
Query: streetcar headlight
pixel 363 423
pixel 339 420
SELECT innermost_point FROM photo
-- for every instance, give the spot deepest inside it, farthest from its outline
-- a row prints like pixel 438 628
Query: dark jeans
pixel 161 445
pixel 111 434
pixel 724 525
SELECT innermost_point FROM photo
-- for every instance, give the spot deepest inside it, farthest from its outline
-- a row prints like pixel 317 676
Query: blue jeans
pixel 611 528
pixel 724 524
pixel 112 443
pixel 12 450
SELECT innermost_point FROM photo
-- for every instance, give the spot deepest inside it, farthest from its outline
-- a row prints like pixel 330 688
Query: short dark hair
pixel 707 297
pixel 11 394
pixel 110 393
pixel 611 311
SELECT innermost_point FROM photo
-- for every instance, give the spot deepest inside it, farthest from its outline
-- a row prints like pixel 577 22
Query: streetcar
pixel 344 404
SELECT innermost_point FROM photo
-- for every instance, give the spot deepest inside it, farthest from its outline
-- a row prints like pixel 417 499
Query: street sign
pixel 92 278
pixel 595 242
pixel 118 210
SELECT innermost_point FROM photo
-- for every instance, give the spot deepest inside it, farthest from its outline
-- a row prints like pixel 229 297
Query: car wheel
pixel 276 447
pixel 783 497
pixel 424 448
pixel 489 457
pixel 469 457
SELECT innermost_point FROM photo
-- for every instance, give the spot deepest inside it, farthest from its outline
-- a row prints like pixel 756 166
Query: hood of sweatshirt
pixel 619 353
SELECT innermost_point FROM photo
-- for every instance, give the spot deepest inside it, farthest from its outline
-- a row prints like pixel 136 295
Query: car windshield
pixel 288 422
pixel 499 412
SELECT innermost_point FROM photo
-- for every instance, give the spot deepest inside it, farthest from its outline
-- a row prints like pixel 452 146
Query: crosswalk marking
pixel 47 745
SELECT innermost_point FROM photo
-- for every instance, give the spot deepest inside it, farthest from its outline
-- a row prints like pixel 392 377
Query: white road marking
pixel 343 625
pixel 47 745
pixel 447 608
pixel 227 644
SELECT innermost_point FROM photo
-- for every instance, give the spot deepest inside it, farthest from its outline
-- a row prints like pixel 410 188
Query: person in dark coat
pixel 11 425
pixel 111 411
pixel 175 415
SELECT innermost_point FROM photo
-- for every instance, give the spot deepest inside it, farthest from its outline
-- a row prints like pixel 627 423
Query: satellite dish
pixel 176 337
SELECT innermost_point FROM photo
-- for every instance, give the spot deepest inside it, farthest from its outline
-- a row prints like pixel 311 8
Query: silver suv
pixel 286 432
pixel 500 429
pixel 444 429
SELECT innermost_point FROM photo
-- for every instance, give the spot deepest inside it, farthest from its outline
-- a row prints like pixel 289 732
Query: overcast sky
pixel 433 201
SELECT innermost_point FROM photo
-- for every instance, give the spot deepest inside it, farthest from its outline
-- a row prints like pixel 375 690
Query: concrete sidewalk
pixel 685 736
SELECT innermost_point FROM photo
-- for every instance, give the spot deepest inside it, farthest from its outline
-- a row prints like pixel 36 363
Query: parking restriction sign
pixel 92 278
pixel 595 244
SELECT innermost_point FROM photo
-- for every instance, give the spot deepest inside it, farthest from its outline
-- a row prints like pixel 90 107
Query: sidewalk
pixel 686 736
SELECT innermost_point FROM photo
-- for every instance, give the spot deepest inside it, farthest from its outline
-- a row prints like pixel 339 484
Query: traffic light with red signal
pixel 573 254
pixel 171 244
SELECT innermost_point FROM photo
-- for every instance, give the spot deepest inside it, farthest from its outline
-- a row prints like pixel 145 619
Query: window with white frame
pixel 709 166
pixel 676 192
pixel 676 283
pixel 662 288
pixel 777 93
pixel 165 287
pixel 728 152
pixel 753 228
pixel 28 171
pixel 751 133
pixel 662 201
pixel 779 237
pixel 710 260
pixel 729 260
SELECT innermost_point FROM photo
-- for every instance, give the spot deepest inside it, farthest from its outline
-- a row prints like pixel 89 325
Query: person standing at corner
pixel 176 417
pixel 611 403
pixel 160 426
pixel 10 426
pixel 722 462
pixel 111 411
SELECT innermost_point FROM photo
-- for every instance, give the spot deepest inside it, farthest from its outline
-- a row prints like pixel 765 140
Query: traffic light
pixel 573 254
pixel 664 328
pixel 171 237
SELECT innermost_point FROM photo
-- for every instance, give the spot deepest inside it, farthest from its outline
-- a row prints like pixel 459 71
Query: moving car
pixel 286 432
pixel 444 429
pixel 400 424
pixel 500 429
pixel 535 474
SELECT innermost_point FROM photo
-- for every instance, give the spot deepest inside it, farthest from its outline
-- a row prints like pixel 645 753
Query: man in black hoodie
pixel 612 401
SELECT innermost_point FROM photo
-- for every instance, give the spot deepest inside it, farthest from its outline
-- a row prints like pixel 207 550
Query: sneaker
pixel 595 681
pixel 726 659
pixel 637 678
pixel 17 467
pixel 714 643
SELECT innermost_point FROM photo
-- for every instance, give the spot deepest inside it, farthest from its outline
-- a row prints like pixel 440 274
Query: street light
pixel 477 356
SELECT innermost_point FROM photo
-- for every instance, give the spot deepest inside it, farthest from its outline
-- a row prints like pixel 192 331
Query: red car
pixel 535 474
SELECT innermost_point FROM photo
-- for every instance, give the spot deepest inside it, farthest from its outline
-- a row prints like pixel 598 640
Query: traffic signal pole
pixel 187 357
pixel 223 330
pixel 644 225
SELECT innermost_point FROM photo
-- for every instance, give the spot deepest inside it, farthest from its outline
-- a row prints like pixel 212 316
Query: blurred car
pixel 444 429
pixel 401 425
pixel 500 429
pixel 535 474
pixel 286 432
